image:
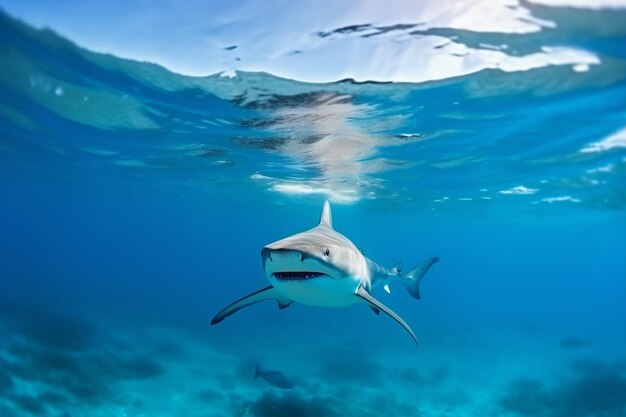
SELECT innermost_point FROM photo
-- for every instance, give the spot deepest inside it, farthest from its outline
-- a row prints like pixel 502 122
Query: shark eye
pixel 327 252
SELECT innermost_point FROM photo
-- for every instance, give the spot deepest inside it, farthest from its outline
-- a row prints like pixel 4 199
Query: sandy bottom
pixel 57 365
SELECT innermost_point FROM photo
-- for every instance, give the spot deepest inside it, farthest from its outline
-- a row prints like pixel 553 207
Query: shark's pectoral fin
pixel 375 304
pixel 268 293
pixel 368 289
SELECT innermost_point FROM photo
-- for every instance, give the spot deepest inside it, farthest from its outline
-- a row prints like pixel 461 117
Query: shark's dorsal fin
pixel 326 219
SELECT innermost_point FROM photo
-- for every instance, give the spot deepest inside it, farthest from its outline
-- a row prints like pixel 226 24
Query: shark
pixel 321 267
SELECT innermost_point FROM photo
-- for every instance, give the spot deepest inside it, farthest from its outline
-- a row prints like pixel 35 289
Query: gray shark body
pixel 321 267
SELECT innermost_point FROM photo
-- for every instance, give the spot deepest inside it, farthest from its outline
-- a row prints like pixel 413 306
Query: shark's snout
pixel 271 255
pixel 266 253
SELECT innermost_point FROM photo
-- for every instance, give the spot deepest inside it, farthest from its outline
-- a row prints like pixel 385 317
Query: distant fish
pixel 274 378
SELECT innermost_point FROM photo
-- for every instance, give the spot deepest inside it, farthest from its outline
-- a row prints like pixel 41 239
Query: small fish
pixel 274 378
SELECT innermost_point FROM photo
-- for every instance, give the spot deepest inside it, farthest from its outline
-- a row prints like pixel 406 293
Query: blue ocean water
pixel 135 202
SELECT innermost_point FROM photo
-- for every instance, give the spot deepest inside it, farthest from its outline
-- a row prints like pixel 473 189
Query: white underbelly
pixel 320 292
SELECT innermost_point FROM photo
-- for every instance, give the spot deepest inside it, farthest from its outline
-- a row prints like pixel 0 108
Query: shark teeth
pixel 296 275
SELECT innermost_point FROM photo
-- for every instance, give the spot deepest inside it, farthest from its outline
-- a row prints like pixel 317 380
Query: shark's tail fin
pixel 257 372
pixel 413 278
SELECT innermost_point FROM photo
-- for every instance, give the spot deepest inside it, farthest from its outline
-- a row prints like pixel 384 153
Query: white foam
pixel 615 140
pixel 560 199
pixel 603 168
pixel 345 196
pixel 519 190
pixel 258 176
pixel 580 68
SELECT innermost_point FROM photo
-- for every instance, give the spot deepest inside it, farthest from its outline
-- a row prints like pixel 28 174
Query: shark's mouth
pixel 297 275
